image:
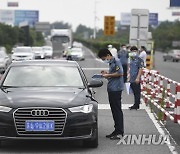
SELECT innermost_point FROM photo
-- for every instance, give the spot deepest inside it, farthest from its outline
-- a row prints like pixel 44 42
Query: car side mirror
pixel 95 83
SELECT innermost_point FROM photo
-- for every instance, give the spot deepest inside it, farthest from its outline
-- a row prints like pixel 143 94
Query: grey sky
pixel 78 12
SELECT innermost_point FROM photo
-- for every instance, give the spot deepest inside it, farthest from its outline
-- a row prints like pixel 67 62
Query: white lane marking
pixel 160 130
pixel 92 54
pixel 124 106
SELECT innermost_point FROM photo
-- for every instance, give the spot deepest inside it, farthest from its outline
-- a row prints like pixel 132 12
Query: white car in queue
pixel 77 54
pixel 48 50
pixel 5 60
pixel 22 53
pixel 38 52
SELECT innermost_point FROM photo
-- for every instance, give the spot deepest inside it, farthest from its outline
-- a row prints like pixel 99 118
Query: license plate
pixel 39 125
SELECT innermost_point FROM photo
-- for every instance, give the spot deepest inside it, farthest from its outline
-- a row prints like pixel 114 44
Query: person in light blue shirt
pixel 136 65
pixel 115 87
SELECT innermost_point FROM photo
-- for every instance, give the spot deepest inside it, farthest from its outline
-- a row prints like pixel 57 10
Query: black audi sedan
pixel 48 99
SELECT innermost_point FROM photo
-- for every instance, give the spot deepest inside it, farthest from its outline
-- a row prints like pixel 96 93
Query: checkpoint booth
pixel 150 55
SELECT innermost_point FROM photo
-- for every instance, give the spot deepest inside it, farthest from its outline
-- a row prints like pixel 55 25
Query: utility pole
pixel 95 18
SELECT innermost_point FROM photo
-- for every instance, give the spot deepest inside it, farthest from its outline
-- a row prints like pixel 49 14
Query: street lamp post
pixel 95 18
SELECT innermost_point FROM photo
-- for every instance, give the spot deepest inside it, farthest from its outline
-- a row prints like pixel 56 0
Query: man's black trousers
pixel 125 72
pixel 115 104
pixel 136 88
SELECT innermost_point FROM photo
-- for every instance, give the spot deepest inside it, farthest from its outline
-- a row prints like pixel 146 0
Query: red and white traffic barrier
pixel 153 86
pixel 177 105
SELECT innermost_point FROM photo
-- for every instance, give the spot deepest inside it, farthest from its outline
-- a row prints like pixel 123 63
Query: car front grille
pixel 57 115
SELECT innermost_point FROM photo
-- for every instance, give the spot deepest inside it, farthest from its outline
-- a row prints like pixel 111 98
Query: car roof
pixel 48 62
pixel 23 47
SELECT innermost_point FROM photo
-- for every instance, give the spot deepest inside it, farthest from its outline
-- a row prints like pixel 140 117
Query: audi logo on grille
pixel 39 113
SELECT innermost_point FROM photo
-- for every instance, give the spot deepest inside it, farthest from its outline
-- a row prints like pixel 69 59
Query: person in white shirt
pixel 113 51
pixel 143 54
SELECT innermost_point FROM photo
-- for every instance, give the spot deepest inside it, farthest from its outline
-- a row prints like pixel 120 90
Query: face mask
pixel 124 48
pixel 133 54
pixel 106 61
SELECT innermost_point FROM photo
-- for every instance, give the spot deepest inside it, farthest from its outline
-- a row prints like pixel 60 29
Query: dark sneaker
pixel 133 108
pixel 116 137
pixel 110 135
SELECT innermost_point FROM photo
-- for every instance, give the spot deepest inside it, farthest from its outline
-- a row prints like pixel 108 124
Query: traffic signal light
pixel 109 25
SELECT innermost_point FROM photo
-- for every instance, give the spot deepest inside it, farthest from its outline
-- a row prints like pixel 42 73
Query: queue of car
pixel 5 59
pixel 21 53
pixel 30 53
pixel 173 55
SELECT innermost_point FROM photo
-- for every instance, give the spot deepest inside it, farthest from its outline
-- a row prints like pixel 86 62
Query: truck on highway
pixel 61 39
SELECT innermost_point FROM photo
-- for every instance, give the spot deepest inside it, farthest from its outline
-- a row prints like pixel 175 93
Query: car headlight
pixel 84 109
pixel 5 109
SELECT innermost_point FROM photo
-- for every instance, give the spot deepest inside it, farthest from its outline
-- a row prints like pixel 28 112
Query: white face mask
pixel 124 48
pixel 133 54
pixel 106 61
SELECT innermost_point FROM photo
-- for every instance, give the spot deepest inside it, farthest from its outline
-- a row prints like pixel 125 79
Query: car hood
pixel 34 97
pixel 76 53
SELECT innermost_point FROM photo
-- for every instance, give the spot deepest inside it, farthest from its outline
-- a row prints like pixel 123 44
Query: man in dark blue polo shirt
pixel 136 65
pixel 115 87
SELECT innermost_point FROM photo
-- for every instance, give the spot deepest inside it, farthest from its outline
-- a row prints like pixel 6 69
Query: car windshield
pixel 63 39
pixel 22 50
pixel 43 76
pixel 47 48
pixel 37 49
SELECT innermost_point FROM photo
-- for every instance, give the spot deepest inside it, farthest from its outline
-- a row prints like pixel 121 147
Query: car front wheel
pixel 93 143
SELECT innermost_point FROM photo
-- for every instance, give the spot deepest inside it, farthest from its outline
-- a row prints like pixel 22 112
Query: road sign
pixel 139 27
pixel 174 3
pixel 109 25
pixel 153 19
pixel 42 26
pixel 32 16
pixel 175 13
pixel 7 17
pixel 125 18
pixel 12 4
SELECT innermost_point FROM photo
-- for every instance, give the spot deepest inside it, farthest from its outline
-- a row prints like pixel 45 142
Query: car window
pixel 43 76
pixel 23 50
pixel 37 49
